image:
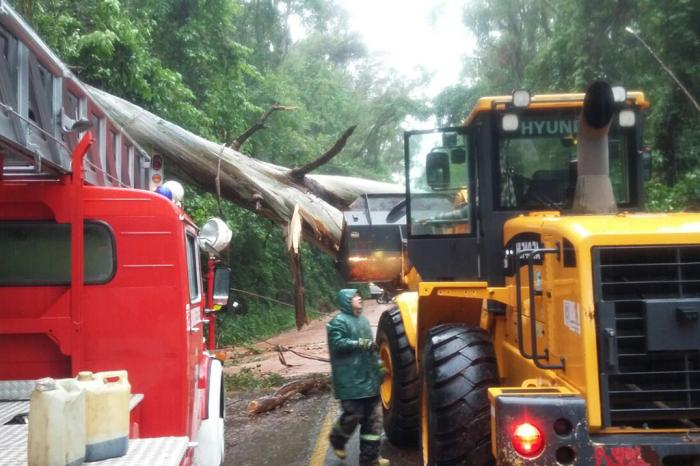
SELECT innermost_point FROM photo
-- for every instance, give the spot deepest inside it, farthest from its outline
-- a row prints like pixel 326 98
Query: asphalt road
pixel 323 453
pixel 294 435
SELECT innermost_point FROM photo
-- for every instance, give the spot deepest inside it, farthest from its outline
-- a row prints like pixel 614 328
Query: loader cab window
pixel 537 164
pixel 439 175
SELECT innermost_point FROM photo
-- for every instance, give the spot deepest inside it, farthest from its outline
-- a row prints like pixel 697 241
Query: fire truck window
pixel 193 268
pixel 39 253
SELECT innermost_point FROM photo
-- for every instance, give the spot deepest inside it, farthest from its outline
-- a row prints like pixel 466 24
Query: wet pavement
pixel 398 456
pixel 294 435
pixel 283 437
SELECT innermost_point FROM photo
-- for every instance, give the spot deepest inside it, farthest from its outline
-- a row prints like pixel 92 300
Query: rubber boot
pixel 378 462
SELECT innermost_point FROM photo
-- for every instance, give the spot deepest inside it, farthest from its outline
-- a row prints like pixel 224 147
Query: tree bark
pixel 293 240
pixel 268 403
pixel 268 189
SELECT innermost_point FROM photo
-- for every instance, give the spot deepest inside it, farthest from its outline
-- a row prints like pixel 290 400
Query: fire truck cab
pixel 98 273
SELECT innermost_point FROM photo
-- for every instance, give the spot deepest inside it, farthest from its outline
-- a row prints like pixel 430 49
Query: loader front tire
pixel 400 390
pixel 458 366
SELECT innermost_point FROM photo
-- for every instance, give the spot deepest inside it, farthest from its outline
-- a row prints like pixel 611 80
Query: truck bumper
pixel 646 449
pixel 567 441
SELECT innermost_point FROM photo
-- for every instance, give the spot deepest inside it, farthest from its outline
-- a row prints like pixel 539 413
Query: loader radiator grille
pixel 648 312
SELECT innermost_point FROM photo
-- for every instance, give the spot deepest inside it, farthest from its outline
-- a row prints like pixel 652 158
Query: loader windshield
pixel 537 163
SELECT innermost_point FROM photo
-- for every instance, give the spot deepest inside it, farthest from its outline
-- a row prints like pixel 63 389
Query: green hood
pixel 356 372
pixel 345 299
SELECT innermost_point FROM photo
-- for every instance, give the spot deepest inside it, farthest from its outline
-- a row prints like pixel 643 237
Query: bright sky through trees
pixel 429 34
pixel 413 37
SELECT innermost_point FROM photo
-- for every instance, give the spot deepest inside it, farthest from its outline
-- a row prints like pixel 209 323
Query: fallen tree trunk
pixel 271 190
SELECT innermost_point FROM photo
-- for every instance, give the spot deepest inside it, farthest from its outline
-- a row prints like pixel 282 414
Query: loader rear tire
pixel 458 366
pixel 400 390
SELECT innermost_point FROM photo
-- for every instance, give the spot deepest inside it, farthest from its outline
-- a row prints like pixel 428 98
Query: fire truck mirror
pixel 222 285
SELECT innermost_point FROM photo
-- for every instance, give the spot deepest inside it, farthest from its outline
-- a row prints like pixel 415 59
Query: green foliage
pixel 263 322
pixel 259 320
pixel 562 46
pixel 247 379
pixel 111 50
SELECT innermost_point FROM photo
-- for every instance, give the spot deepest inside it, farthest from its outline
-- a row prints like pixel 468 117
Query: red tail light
pixel 527 440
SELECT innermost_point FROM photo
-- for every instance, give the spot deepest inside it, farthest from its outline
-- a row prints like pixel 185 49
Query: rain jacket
pixel 356 372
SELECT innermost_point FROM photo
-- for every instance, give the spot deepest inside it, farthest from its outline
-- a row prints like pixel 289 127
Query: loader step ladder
pixel 44 109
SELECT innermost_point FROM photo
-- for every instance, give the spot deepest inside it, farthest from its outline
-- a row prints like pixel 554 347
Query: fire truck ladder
pixel 44 110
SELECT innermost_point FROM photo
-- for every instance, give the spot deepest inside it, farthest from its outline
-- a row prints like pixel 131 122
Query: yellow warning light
pixel 156 178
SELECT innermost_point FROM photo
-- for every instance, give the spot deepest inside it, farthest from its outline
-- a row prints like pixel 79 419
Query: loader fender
pixel 408 307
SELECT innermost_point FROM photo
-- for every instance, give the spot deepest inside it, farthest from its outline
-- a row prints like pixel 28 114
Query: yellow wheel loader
pixel 549 320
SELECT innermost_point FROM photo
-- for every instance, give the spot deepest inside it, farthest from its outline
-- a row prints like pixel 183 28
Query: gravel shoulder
pixel 309 341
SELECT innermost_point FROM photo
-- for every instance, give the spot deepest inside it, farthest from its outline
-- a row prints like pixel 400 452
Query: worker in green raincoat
pixel 357 374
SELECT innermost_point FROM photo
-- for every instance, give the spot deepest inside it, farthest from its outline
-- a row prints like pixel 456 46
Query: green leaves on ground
pixel 247 379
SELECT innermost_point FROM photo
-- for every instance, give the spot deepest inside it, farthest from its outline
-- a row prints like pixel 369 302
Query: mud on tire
pixel 402 412
pixel 458 366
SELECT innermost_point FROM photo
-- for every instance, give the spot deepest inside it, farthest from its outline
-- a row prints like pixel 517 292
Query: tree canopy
pixel 542 45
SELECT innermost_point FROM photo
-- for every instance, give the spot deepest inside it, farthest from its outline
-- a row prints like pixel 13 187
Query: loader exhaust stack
pixel 594 194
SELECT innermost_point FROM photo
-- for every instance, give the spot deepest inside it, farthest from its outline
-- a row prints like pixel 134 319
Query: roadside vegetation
pixel 265 321
pixel 247 379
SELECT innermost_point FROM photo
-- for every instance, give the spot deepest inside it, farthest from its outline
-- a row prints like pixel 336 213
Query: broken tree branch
pixel 258 125
pixel 300 172
pixel 304 387
pixel 293 242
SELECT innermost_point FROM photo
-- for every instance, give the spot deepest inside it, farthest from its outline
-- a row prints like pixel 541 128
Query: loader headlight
pixel 619 94
pixel 521 98
pixel 627 118
pixel 510 122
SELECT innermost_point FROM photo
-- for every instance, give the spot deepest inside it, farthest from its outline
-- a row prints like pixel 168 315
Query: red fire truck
pixel 97 272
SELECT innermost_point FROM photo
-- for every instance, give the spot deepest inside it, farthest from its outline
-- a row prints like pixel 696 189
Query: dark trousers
pixel 365 412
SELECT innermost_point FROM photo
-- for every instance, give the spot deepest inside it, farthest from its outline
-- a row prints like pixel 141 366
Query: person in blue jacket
pixel 357 373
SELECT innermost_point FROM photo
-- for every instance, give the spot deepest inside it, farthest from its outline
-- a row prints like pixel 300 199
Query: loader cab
pixel 509 160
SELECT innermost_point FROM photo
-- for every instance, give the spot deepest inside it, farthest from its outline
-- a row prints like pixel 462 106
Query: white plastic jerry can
pixel 56 424
pixel 106 414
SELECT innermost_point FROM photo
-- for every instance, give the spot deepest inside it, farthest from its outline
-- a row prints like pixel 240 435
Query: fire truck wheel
pixel 459 365
pixel 210 438
pixel 400 390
